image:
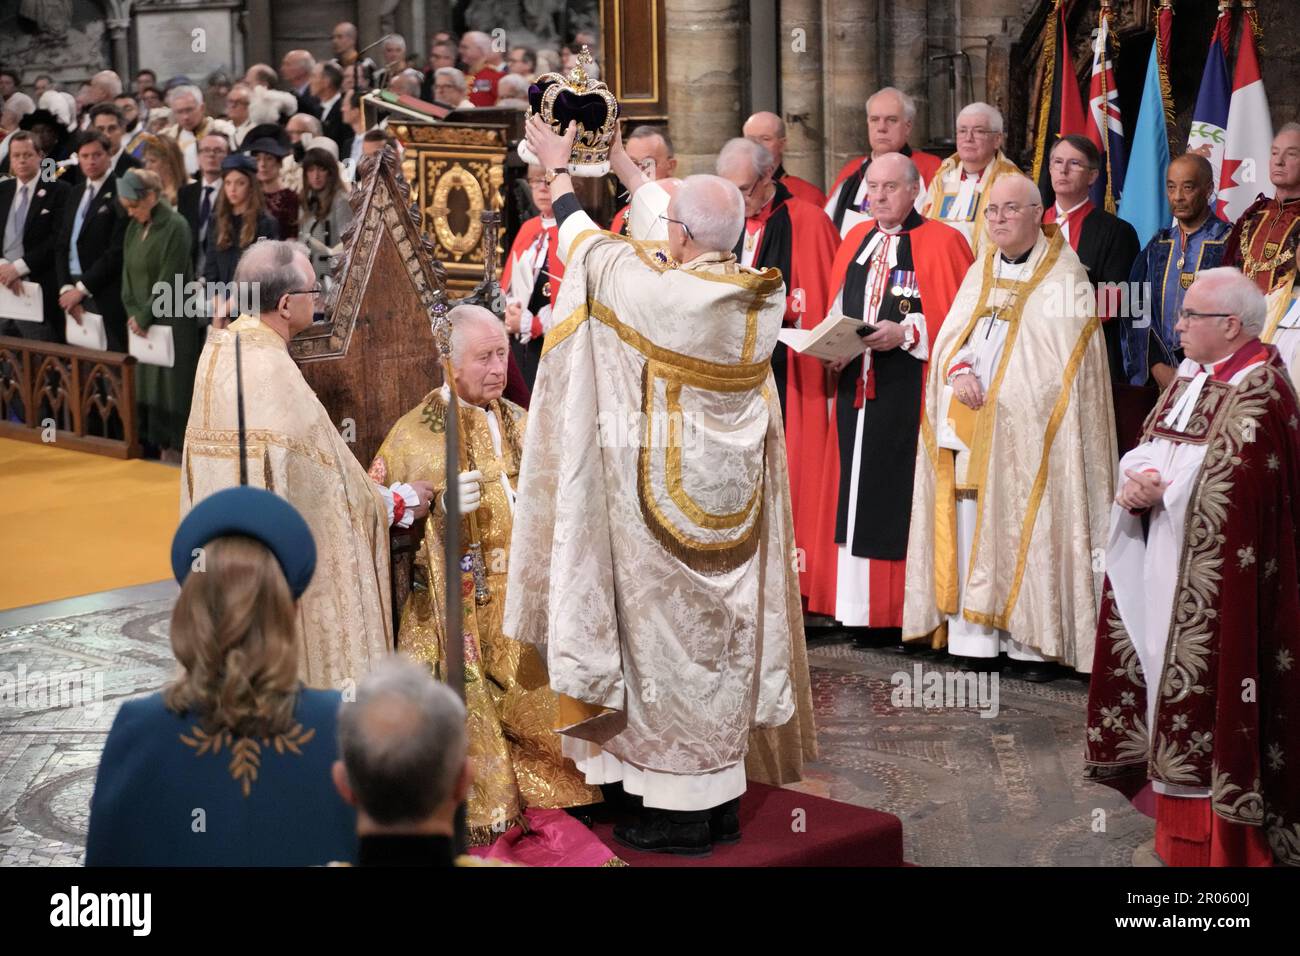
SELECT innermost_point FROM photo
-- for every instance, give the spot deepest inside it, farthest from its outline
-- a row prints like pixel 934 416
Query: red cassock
pixel 892 401
pixel 854 171
pixel 542 291
pixel 801 188
pixel 797 238
pixel 619 223
pixel 1225 718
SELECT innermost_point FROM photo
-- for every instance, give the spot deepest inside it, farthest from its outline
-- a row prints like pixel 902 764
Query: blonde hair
pixel 234 633
pixel 169 154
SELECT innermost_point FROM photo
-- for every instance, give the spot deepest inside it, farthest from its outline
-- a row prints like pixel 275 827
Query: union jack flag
pixel 1103 114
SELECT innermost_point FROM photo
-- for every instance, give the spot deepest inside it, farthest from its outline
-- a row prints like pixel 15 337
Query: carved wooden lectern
pixel 374 358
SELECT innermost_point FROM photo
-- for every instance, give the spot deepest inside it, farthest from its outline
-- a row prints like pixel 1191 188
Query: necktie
pixel 13 246
pixel 205 210
pixel 74 256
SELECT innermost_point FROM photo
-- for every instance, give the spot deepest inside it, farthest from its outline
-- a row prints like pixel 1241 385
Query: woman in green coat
pixel 157 250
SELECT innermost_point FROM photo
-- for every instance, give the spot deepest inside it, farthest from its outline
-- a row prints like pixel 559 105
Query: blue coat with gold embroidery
pixel 167 794
pixel 1148 332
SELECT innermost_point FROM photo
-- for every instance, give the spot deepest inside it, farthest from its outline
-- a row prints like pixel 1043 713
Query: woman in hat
pixel 230 764
pixel 163 157
pixel 240 220
pixel 268 144
pixel 326 212
pixel 157 250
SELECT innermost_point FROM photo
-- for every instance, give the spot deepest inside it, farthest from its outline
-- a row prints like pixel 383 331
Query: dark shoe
pixel 724 822
pixel 683 833
pixel 1036 672
pixel 989 665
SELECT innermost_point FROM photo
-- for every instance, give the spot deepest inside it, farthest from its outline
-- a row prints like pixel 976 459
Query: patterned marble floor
pixel 1006 790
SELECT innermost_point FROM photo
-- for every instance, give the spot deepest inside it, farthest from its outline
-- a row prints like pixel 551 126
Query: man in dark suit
pixel 89 257
pixel 1105 244
pixel 326 85
pixel 197 201
pixel 30 212
pixel 109 120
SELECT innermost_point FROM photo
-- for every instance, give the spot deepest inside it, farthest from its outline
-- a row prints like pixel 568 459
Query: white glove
pixel 471 493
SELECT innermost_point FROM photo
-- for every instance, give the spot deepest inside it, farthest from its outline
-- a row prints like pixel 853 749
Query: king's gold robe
pixel 653 546
pixel 1040 466
pixel 512 710
pixel 294 450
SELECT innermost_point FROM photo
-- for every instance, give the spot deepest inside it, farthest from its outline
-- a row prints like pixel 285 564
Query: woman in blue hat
pixel 228 765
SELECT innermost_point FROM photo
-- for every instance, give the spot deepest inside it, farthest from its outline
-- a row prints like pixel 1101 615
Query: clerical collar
pixel 1018 260
pixel 431 850
pixel 1247 355
pixel 548 223
pixel 975 176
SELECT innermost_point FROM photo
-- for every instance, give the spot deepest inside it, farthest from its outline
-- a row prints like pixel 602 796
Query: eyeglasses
pixel 1072 165
pixel 974 131
pixel 315 291
pixel 750 189
pixel 685 228
pixel 1011 210
pixel 213 151
pixel 1188 315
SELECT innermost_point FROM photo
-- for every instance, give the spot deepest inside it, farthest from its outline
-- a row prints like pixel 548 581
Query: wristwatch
pixel 557 171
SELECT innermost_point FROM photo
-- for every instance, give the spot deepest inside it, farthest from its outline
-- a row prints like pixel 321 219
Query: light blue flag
pixel 1144 204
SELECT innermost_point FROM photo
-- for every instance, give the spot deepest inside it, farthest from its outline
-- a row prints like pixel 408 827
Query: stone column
pixel 852 72
pixel 800 40
pixel 257 32
pixel 705 65
pixel 903 48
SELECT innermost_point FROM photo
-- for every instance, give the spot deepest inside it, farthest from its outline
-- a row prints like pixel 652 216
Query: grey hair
pixel 909 104
pixel 480 40
pixel 758 156
pixel 108 81
pixel 403 742
pixel 702 203
pixel 1237 295
pixel 991 113
pixel 454 74
pixel 398 37
pixel 269 266
pixel 465 317
pixel 1292 127
pixel 313 124
pixel 512 85
pixel 185 89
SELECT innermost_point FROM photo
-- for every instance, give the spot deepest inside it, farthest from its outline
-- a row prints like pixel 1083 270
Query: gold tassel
pixel 1049 82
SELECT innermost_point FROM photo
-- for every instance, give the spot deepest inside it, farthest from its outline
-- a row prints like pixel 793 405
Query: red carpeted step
pixel 787 828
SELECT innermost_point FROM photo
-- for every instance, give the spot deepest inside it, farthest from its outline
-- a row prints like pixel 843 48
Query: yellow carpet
pixel 73 523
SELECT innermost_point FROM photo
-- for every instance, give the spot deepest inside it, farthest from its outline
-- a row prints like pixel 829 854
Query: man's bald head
pixel 767 129
pixel 1014 210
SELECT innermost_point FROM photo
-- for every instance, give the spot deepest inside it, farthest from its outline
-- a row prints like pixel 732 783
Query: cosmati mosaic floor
pixel 971 791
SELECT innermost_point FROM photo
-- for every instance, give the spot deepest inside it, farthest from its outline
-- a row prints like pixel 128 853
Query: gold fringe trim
pixel 1049 82
pixel 487 834
pixel 613 861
